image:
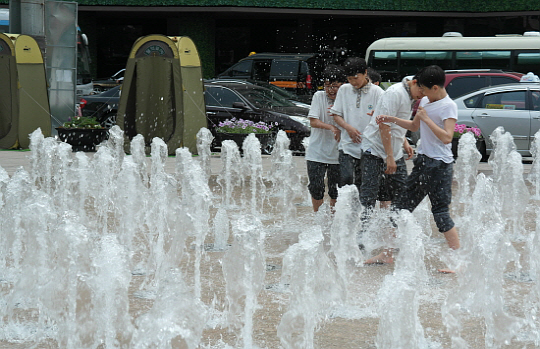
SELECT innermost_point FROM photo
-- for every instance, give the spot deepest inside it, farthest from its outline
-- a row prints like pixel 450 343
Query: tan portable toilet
pixel 162 93
pixel 24 102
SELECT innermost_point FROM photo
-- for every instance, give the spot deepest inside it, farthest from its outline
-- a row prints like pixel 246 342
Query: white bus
pixel 395 58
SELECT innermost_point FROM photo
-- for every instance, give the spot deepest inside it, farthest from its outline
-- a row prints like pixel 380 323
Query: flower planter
pixel 266 139
pixel 83 139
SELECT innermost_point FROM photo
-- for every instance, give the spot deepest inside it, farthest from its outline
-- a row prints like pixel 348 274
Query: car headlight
pixel 301 119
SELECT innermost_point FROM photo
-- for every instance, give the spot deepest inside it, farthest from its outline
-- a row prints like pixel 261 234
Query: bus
pixel 84 79
pixel 395 58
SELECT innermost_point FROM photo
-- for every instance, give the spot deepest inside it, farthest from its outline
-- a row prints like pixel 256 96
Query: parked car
pixel 231 99
pixel 278 90
pixel 224 100
pixel 516 107
pixel 298 73
pixel 460 82
pixel 102 106
pixel 104 84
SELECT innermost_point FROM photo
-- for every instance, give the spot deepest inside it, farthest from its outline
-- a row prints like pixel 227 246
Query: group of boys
pixel 358 137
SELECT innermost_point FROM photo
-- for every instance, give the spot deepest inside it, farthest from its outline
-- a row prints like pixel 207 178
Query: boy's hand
pixel 391 166
pixel 409 150
pixel 422 114
pixel 337 133
pixel 383 118
pixel 355 135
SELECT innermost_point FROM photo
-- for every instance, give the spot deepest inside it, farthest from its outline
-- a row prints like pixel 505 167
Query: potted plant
pixel 83 133
pixel 460 130
pixel 238 129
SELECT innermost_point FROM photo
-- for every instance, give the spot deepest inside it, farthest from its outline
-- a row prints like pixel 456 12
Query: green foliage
pixel 82 122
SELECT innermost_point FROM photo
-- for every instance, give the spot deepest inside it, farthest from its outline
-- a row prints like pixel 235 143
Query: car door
pixel 535 113
pixel 508 109
pixel 223 103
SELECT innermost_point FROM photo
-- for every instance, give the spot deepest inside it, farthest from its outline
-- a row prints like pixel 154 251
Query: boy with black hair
pixel 352 111
pixel 374 76
pixel 322 153
pixel 433 167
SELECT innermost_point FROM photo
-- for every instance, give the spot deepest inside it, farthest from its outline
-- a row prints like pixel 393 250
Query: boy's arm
pixel 445 134
pixel 408 149
pixel 411 125
pixel 386 138
pixel 355 135
pixel 317 123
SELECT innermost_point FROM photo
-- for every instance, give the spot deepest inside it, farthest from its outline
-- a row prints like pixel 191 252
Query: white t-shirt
pixel 322 145
pixel 395 101
pixel 346 107
pixel 438 111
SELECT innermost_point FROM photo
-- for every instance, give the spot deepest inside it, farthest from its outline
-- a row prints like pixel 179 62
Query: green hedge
pixel 372 5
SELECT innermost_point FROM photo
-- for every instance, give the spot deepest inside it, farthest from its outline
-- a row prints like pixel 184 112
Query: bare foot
pixel 381 258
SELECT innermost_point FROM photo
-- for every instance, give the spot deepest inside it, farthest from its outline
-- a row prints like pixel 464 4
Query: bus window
pixel 496 59
pixel 483 60
pixel 384 61
pixel 525 62
pixel 412 61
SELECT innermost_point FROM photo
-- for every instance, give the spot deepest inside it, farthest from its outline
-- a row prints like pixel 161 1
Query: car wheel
pixel 98 90
pixel 481 146
pixel 109 120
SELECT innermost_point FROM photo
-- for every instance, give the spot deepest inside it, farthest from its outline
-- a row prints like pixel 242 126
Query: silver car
pixel 516 107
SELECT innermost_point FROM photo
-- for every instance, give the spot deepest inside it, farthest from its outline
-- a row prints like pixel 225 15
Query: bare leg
pixel 385 257
pixel 385 204
pixel 452 239
pixel 333 205
pixel 316 204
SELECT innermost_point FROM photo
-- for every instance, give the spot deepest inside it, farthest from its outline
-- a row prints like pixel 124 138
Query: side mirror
pixel 239 105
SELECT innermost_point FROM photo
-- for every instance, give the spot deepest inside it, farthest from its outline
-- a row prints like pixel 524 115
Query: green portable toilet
pixel 162 93
pixel 24 103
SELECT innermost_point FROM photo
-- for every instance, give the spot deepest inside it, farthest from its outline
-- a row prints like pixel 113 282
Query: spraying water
pixel 314 286
pixel 243 269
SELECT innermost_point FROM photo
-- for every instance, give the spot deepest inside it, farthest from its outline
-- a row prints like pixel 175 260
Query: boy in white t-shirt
pixel 433 167
pixel 322 154
pixel 352 111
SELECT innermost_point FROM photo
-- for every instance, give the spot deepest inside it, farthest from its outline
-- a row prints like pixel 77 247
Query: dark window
pixel 220 97
pixel 385 62
pixel 465 84
pixel 472 102
pixel 483 60
pixel 241 69
pixel 284 69
pixel 499 80
pixel 513 100
pixel 261 70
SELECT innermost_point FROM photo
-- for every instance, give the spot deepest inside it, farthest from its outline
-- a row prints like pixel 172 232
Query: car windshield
pixel 264 98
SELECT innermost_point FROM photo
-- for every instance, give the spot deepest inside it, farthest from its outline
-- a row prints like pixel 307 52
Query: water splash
pixel 204 140
pixel 486 250
pixel 314 287
pixel 252 162
pixel 243 268
pixel 231 175
pixel 344 245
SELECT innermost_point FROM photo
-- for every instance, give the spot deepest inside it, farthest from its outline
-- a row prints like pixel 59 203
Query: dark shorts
pixel 378 185
pixel 350 170
pixel 316 172
pixel 432 178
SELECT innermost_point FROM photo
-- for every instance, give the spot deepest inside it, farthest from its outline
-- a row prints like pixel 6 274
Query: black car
pixel 103 106
pixel 224 100
pixel 230 99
